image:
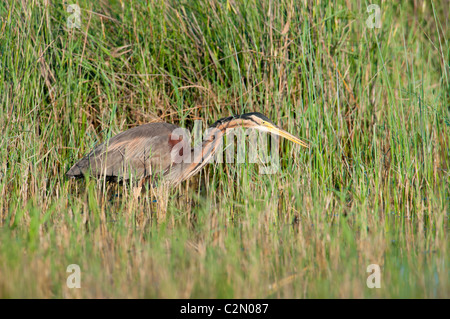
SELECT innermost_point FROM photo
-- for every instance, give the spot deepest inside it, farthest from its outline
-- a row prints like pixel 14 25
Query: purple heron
pixel 148 150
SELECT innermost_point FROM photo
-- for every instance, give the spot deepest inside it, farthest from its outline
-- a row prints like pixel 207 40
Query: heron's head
pixel 257 121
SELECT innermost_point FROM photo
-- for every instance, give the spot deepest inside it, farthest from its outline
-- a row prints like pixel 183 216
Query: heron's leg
pixel 147 187
pixel 137 191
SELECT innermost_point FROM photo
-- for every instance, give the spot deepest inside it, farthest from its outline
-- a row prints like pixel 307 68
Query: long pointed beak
pixel 287 135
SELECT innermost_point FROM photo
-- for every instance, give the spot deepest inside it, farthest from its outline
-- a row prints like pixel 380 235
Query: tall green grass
pixel 372 189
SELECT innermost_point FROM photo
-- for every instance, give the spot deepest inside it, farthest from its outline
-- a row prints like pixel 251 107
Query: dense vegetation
pixel 374 103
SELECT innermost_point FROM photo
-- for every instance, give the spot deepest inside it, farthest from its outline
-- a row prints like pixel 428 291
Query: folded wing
pixel 139 152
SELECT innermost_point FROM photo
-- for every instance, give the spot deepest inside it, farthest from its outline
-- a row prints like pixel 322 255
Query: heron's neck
pixel 203 152
pixel 200 155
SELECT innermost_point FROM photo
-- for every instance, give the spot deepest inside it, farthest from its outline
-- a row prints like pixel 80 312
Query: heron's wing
pixel 139 152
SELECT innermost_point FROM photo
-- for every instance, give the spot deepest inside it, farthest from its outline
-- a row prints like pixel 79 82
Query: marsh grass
pixel 372 189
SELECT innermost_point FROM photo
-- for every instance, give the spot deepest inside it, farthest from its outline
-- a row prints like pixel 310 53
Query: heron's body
pixel 141 151
pixel 152 150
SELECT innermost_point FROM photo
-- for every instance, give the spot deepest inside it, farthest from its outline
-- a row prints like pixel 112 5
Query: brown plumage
pixel 140 151
pixel 152 150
